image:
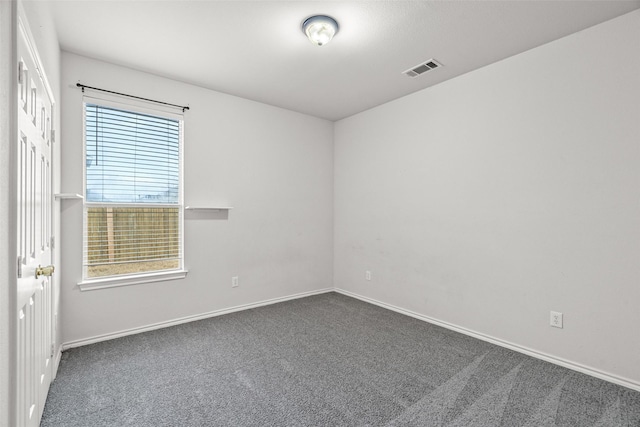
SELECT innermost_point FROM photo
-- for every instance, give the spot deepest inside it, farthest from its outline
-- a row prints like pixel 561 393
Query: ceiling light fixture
pixel 320 29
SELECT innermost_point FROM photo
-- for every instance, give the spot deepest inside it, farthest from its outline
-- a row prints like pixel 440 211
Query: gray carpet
pixel 326 360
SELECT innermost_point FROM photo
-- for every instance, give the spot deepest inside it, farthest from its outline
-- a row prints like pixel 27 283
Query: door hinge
pixel 19 267
pixel 53 135
pixel 53 242
pixel 52 350
pixel 20 65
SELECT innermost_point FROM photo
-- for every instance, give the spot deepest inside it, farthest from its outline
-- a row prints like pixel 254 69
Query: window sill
pixel 113 282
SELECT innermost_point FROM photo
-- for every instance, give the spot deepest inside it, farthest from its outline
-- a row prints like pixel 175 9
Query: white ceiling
pixel 256 49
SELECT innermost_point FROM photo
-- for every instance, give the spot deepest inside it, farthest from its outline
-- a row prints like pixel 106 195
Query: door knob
pixel 45 271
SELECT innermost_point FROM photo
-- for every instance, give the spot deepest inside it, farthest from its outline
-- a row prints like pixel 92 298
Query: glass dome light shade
pixel 320 29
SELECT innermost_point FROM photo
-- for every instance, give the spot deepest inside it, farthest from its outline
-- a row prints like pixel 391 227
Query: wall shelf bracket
pixel 61 196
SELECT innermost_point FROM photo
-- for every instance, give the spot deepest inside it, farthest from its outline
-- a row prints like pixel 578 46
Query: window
pixel 133 209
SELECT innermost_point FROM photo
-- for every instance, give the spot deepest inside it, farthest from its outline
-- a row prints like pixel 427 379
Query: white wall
pixel 493 198
pixel 272 165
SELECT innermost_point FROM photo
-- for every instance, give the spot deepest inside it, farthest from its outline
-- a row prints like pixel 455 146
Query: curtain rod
pixel 131 96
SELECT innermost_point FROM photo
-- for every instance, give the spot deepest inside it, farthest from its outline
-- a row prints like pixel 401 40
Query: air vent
pixel 428 65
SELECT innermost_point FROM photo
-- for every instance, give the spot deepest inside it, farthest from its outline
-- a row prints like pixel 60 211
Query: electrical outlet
pixel 367 275
pixel 234 282
pixel 555 319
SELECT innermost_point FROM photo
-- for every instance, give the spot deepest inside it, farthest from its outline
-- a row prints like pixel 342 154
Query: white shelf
pixel 208 208
pixel 59 196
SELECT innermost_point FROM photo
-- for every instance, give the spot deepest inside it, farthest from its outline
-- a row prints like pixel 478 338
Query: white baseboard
pixel 56 363
pixel 625 382
pixel 181 320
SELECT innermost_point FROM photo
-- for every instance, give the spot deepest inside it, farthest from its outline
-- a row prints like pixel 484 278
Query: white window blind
pixel 133 201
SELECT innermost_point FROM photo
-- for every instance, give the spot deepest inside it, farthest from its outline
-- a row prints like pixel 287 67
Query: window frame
pixel 103 282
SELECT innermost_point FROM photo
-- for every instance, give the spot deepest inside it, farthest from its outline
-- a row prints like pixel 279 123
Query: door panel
pixel 35 294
